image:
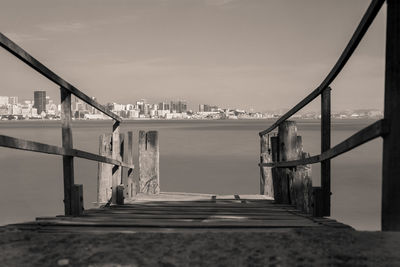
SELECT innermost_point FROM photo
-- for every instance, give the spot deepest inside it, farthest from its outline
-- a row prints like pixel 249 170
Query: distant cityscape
pixel 42 107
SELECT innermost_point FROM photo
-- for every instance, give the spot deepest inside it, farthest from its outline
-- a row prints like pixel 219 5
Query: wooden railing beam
pixel 377 129
pixel 17 143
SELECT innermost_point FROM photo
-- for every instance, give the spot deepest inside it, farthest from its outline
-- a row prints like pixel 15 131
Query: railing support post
pixel 391 141
pixel 326 145
pixel 130 185
pixel 68 162
pixel 116 170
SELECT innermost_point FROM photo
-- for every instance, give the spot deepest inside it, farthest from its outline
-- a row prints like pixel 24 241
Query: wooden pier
pixel 284 166
pixel 172 212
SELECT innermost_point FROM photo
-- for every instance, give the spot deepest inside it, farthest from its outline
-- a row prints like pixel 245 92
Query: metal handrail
pixel 362 28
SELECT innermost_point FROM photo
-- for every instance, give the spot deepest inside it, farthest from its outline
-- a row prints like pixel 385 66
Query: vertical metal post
pixel 326 145
pixel 391 141
pixel 116 171
pixel 68 162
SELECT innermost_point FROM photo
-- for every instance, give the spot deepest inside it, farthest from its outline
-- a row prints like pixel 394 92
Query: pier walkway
pixel 168 212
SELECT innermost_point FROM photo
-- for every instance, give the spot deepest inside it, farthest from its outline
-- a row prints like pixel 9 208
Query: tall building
pixel 13 100
pixel 3 100
pixel 163 106
pixel 182 106
pixel 178 106
pixel 39 101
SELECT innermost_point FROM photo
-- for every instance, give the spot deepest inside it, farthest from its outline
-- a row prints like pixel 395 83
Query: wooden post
pixel 266 184
pixel 116 170
pixel 276 178
pixel 287 135
pixel 317 202
pixel 104 178
pixel 120 194
pixel 149 176
pixel 130 189
pixel 391 141
pixel 326 145
pixel 301 182
pixel 77 200
pixel 68 162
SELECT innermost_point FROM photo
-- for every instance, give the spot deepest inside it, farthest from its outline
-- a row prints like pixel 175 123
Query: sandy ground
pixel 239 248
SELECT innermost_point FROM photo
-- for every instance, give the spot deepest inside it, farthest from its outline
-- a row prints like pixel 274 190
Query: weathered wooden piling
pixel 149 176
pixel 277 184
pixel 108 173
pixel 128 177
pixel 290 185
pixel 104 170
pixel 287 136
pixel 266 184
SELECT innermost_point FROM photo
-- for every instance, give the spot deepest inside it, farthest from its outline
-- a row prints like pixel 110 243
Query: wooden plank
pixel 173 223
pixel 359 33
pixel 325 146
pixel 149 154
pixel 68 161
pixel 391 141
pixel 17 143
pixel 376 129
pixel 128 217
pixel 116 170
pixel 25 57
pixel 104 175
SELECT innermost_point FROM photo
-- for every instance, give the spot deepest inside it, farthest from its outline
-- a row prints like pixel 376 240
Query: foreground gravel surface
pixel 231 248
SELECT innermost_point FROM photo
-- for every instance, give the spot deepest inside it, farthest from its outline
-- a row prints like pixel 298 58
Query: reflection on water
pixel 196 156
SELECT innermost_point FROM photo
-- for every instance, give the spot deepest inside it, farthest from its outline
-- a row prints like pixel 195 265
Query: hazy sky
pixel 261 54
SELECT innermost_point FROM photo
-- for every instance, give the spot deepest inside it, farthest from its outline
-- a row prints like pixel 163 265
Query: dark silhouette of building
pixel 178 106
pixel 39 101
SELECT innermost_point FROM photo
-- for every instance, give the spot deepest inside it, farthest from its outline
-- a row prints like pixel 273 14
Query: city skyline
pixel 227 52
pixel 43 107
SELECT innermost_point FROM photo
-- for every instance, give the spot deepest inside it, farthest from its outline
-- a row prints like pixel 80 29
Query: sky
pixel 260 54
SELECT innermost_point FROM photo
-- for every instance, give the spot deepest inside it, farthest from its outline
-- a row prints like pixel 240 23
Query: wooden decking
pixel 184 212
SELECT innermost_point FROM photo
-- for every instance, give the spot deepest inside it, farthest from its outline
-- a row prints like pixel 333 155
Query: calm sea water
pixel 195 156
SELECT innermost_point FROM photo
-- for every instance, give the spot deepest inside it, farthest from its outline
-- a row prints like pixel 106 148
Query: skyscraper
pixel 178 106
pixel 39 101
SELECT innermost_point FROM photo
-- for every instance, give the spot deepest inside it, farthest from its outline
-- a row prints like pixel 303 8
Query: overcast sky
pixel 261 54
